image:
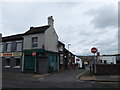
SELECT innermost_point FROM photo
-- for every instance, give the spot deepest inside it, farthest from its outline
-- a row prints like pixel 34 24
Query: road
pixel 63 79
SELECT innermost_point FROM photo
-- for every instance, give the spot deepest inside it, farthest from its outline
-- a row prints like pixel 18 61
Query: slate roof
pixel 34 30
pixel 60 43
pixel 12 38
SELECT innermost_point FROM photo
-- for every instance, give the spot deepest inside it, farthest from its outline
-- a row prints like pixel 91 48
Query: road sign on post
pixel 94 50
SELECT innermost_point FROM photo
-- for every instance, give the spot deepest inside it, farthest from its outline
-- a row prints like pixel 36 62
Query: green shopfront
pixel 41 62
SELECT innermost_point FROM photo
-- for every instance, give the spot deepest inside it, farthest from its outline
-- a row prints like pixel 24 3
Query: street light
pixel 68 46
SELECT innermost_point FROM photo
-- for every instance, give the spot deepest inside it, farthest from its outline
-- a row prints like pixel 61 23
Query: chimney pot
pixel 50 21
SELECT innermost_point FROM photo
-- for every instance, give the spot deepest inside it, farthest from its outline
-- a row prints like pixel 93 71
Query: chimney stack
pixel 51 21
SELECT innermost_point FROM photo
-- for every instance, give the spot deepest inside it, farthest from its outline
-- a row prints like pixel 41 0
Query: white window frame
pixel 17 49
pixel 7 46
pixel 35 42
pixel 1 46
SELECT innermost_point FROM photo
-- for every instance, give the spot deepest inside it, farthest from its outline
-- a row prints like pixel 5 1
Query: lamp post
pixel 68 46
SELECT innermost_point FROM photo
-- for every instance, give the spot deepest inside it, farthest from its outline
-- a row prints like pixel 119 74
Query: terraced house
pixel 35 51
pixel 11 48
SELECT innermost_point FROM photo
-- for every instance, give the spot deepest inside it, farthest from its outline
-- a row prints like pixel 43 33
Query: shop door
pixel 29 64
pixel 55 63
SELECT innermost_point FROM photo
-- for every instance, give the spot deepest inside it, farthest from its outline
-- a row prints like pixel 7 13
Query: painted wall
pixel 109 59
pixel 51 40
pixel 27 43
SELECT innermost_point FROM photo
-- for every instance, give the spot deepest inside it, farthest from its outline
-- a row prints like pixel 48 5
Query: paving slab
pixel 87 76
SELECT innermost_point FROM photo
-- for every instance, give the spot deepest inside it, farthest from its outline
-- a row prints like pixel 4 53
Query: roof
pixel 60 43
pixel 34 30
pixel 12 38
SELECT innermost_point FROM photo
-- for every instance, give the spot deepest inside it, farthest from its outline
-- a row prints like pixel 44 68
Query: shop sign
pixel 10 54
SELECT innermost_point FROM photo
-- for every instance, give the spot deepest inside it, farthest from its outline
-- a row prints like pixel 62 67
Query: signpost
pixel 94 50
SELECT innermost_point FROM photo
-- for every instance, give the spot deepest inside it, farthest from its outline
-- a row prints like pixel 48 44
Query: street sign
pixel 33 53
pixel 94 50
pixel 77 59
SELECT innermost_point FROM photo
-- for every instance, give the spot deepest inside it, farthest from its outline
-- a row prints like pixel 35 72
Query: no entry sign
pixel 33 53
pixel 94 50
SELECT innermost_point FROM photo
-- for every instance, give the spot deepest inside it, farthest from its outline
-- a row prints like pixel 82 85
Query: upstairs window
pixel 1 47
pixel 8 47
pixel 34 42
pixel 18 46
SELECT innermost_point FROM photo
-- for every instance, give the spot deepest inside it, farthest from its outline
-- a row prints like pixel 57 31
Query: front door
pixel 29 64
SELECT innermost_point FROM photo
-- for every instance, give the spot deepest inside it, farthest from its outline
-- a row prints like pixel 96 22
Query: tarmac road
pixel 63 79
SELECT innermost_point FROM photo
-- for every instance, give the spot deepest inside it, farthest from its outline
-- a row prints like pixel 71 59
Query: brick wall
pixel 108 69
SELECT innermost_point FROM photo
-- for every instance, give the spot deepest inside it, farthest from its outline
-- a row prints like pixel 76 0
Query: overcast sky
pixel 82 24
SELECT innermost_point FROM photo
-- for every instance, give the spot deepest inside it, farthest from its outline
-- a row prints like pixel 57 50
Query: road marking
pixel 92 82
pixel 82 81
pixel 78 76
pixel 109 82
pixel 40 78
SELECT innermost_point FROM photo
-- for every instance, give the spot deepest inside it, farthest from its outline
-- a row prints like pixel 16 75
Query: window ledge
pixel 17 67
pixel 7 66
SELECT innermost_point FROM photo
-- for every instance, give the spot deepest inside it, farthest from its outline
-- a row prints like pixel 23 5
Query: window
pixel 19 46
pixel 61 58
pixel 34 42
pixel 100 61
pixel 1 47
pixel 7 63
pixel 8 47
pixel 105 62
pixel 17 62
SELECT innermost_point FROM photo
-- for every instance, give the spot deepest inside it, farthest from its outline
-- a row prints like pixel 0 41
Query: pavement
pixel 87 76
pixel 24 76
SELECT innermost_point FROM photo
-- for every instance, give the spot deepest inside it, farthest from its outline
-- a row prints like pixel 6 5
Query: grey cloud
pixel 104 16
pixel 71 25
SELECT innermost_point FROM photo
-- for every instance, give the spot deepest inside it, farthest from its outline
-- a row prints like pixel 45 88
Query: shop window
pixel 34 42
pixel 7 63
pixel 17 63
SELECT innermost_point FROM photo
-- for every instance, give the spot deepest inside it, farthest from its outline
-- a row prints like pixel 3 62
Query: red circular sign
pixel 33 53
pixel 94 50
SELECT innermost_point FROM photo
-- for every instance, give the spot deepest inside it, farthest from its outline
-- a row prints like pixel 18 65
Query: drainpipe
pixel 23 62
